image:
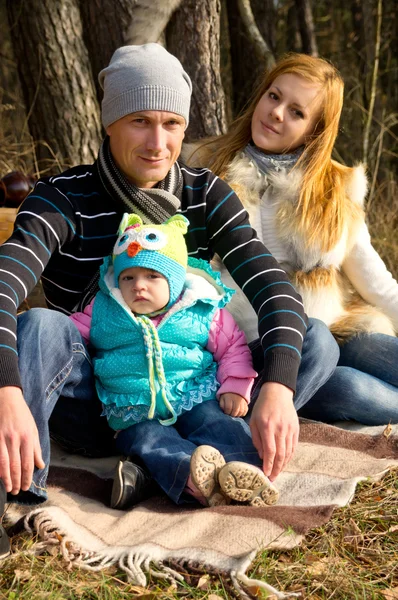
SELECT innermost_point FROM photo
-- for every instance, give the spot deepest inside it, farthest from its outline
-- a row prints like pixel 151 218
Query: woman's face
pixel 286 114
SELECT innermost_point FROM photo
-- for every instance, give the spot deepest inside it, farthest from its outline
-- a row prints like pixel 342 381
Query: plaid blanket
pixel 323 475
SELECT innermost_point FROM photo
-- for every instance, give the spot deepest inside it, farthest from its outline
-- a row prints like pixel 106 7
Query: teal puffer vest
pixel 143 372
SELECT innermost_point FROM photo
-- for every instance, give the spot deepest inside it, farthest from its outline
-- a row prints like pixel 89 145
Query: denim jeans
pixel 364 386
pixel 166 451
pixel 59 388
pixel 54 360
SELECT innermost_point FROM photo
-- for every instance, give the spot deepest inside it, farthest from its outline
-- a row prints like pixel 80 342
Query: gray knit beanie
pixel 144 77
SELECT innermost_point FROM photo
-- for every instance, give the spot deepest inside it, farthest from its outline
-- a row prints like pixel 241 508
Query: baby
pixel 173 371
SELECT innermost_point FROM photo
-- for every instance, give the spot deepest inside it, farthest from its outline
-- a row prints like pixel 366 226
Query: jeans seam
pixel 77 348
pixel 67 366
pixel 182 461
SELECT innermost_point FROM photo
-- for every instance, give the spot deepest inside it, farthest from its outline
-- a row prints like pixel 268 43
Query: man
pixel 68 224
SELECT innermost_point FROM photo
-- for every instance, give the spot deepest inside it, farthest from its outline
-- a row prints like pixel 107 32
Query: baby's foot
pixel 206 463
pixel 246 483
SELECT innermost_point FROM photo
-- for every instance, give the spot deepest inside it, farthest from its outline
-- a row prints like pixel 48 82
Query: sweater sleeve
pixel 281 318
pixel 44 223
pixel 82 320
pixel 370 276
pixel 228 345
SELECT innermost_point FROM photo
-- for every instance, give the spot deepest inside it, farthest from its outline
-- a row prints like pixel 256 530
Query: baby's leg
pixel 218 436
pixel 206 424
pixel 163 451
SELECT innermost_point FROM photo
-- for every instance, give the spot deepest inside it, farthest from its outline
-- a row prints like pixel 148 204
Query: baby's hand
pixel 233 404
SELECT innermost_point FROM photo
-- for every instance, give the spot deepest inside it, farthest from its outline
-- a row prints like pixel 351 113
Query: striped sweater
pixel 69 222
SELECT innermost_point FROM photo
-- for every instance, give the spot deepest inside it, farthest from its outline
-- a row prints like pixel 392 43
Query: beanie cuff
pixel 147 97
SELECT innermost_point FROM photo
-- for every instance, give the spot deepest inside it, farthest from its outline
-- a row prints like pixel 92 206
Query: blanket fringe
pixel 136 564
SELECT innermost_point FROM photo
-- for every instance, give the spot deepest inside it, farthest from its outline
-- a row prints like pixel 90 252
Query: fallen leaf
pixel 352 535
pixel 257 592
pixel 284 558
pixel 214 597
pixel 22 575
pixel 204 582
pixel 388 431
pixel 391 594
pixel 311 558
pixel 317 568
pixel 393 528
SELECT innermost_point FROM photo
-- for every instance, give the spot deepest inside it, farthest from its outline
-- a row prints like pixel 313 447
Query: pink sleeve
pixel 228 345
pixel 82 320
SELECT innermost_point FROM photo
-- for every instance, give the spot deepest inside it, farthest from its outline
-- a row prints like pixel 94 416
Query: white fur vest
pixel 328 282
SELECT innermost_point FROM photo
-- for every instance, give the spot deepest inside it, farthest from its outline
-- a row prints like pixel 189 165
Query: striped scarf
pixel 153 205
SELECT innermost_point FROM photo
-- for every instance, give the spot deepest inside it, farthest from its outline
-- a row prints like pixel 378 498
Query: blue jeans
pixel 54 360
pixel 364 386
pixel 166 451
pixel 59 388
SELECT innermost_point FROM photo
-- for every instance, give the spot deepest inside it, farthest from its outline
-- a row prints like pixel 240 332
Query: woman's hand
pixel 233 405
pixel 274 426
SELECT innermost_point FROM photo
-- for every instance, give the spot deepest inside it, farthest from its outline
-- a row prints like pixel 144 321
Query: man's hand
pixel 275 427
pixel 19 441
pixel 233 404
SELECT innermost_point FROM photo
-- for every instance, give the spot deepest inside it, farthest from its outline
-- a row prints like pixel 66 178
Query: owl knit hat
pixel 158 247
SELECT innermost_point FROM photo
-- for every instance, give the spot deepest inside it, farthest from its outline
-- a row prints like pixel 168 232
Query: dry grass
pixel 382 217
pixel 354 556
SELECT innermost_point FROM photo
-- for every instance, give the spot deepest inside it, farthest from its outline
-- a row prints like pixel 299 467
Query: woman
pixel 309 211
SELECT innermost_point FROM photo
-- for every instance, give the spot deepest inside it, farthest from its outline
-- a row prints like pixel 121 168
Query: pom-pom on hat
pixel 158 247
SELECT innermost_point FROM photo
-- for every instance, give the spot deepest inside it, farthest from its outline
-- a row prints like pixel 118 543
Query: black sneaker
pixel 132 484
pixel 5 547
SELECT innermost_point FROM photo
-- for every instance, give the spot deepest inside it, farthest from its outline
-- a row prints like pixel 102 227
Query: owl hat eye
pixel 160 248
pixel 124 241
pixel 152 238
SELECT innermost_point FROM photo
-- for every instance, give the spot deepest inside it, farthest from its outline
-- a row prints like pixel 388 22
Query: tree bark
pixel 107 25
pixel 293 41
pixel 193 35
pixel 12 108
pixel 246 70
pixel 306 26
pixel 56 80
pixel 261 48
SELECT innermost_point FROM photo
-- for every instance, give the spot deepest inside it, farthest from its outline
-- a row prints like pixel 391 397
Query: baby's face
pixel 144 291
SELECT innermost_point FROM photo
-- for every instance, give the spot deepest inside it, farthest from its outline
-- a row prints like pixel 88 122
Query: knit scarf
pixel 153 205
pixel 268 163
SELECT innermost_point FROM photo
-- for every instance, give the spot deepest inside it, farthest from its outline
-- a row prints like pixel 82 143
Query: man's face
pixel 146 144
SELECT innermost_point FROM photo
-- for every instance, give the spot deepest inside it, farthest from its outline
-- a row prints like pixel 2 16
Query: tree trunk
pixel 12 108
pixel 56 80
pixel 246 70
pixel 306 26
pixel 193 35
pixel 106 27
pixel 293 41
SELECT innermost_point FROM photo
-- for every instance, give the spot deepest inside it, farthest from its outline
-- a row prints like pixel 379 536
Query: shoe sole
pixel 117 487
pixel 206 463
pixel 246 483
